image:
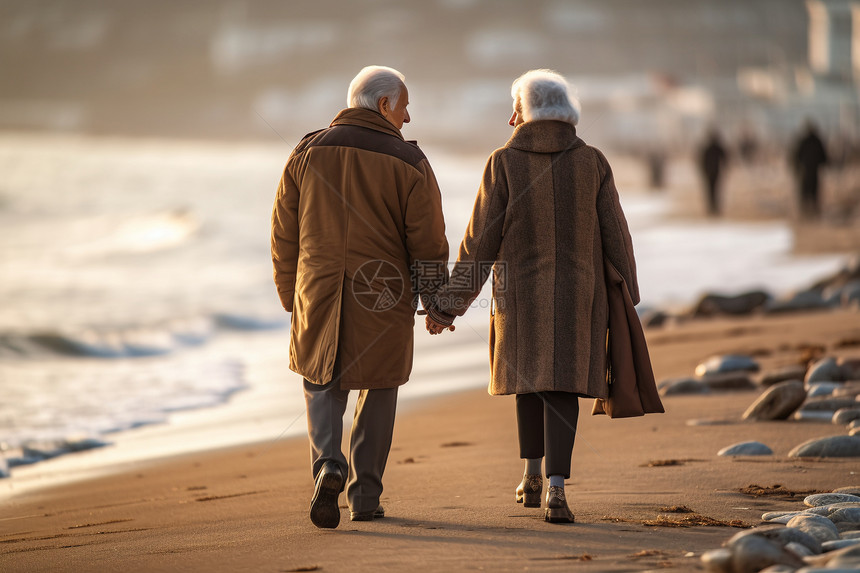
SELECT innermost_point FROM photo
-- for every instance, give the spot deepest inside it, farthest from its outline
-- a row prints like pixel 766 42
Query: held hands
pixel 434 327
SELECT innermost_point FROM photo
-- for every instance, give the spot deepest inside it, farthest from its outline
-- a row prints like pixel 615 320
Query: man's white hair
pixel 373 83
pixel 545 94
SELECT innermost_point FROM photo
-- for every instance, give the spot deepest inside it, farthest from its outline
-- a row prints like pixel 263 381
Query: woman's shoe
pixel 556 506
pixel 529 490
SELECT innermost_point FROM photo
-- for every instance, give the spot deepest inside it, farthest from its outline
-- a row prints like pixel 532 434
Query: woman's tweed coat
pixel 546 214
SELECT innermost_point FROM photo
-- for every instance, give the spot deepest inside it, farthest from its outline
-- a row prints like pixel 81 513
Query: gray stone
pixel 777 402
pixel 746 449
pixel 850 489
pixel 772 516
pixel 716 304
pixel 824 370
pixel 822 499
pixel 818 389
pixel 784 519
pixel 839 544
pixel 828 404
pixel 846 526
pixel 853 424
pixel 846 389
pixel 846 515
pixel 727 363
pixel 817 526
pixel 849 295
pixel 784 374
pixel 854 432
pixel 753 553
pixel 813 416
pixel 728 381
pixel 717 560
pixel 782 535
pixel 798 549
pixel 824 511
pixel 846 416
pixel 684 386
pixel 654 318
pixel 845 557
pixel 830 447
pixel 803 300
pixel 849 535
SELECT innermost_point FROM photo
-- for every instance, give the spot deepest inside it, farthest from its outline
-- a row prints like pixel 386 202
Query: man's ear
pixel 382 104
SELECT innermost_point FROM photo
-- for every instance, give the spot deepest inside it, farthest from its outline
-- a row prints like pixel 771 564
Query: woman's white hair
pixel 545 94
pixel 373 83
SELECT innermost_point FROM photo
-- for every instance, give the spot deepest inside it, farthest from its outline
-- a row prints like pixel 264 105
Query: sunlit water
pixel 136 283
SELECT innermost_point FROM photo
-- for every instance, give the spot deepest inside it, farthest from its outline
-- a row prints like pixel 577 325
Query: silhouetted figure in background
pixel 807 158
pixel 748 147
pixel 712 159
pixel 656 159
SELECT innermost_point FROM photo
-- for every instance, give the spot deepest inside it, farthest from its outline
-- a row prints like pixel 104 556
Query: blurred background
pixel 141 144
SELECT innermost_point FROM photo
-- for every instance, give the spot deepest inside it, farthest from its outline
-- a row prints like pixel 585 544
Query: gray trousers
pixel 369 439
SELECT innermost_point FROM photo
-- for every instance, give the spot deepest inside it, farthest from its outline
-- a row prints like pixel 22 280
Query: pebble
pixel 847 389
pixel 754 553
pixel 809 543
pixel 683 386
pixel 821 499
pixel 846 416
pixel 727 363
pixel 830 447
pixel 774 515
pixel 812 416
pixel 746 449
pixel 839 544
pixel 824 370
pixel 782 535
pixel 784 374
pixel 822 389
pixel 817 526
pixel 829 403
pixel 728 381
pixel 777 402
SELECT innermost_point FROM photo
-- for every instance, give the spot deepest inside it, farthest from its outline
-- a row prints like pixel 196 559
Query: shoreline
pixel 450 482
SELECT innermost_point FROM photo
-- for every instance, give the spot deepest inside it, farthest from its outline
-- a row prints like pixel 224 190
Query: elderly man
pixel 357 236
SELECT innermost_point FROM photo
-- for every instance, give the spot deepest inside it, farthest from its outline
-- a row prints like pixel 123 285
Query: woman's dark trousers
pixel 547 428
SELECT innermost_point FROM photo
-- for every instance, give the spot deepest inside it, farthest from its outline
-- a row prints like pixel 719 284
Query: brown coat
pixel 357 206
pixel 546 213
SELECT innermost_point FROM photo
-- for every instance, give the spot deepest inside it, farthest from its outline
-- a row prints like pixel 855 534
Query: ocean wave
pixel 135 341
pixel 86 406
pixel 110 342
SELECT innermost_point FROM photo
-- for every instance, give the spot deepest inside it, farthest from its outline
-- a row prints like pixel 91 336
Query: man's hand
pixel 434 327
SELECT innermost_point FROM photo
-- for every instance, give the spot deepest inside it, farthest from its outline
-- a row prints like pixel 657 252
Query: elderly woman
pixel 546 216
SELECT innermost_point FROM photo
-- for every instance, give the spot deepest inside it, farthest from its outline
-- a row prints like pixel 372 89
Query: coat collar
pixel 544 136
pixel 366 118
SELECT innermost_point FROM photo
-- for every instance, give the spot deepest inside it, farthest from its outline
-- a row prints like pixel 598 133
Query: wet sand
pixel 450 482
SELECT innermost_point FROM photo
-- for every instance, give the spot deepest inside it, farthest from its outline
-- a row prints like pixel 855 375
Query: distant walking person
pixel 712 160
pixel 807 158
pixel 358 208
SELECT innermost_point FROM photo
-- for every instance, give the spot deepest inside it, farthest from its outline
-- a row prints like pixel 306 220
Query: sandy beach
pixel 450 482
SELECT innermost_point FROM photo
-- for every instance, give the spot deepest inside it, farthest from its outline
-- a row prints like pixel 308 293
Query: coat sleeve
pixel 614 233
pixel 480 245
pixel 426 242
pixel 285 239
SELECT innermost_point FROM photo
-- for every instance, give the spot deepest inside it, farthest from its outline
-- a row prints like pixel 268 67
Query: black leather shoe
pixel 529 490
pixel 377 513
pixel 325 512
pixel 556 506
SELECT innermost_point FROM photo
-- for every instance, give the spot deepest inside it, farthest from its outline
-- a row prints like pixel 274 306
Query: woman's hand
pixel 434 327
